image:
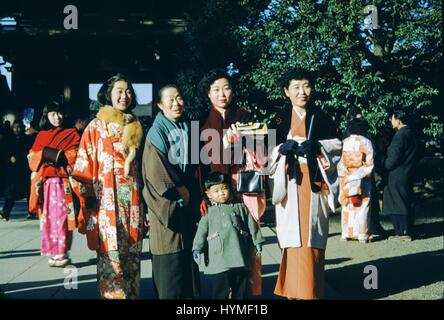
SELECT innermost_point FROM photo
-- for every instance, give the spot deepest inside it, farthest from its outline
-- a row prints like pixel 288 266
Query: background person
pixel 16 170
pixel 51 159
pixel 354 170
pixel 402 156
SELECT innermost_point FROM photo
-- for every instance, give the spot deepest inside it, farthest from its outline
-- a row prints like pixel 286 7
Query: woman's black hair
pixel 295 74
pixel 355 112
pixel 104 94
pixel 358 126
pixel 215 178
pixel 52 106
pixel 209 78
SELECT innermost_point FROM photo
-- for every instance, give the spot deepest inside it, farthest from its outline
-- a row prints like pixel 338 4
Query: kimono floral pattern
pixel 36 198
pixel 354 170
pixel 113 220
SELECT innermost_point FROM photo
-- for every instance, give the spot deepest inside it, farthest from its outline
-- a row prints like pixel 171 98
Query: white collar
pixel 300 114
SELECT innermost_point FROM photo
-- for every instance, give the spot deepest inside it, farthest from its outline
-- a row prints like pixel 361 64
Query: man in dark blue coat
pixel 402 156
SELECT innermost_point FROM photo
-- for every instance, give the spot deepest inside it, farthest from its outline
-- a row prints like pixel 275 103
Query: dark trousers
pixel 403 224
pixel 12 193
pixel 236 279
pixel 8 205
pixel 175 276
pixel 375 224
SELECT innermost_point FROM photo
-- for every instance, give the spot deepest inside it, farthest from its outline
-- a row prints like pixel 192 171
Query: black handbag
pixel 250 181
pixel 51 156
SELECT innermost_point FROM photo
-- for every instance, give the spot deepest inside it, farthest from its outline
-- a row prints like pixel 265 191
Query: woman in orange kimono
pixel 51 159
pixel 111 213
pixel 305 187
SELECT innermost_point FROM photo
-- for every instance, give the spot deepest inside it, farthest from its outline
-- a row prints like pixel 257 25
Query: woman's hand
pixel 184 195
pixel 231 137
pixel 146 226
pixel 324 162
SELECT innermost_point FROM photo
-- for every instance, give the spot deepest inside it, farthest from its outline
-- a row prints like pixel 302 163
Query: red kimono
pixel 63 139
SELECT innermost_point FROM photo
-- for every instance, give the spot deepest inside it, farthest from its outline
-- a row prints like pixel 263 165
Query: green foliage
pixel 395 66
pixel 211 43
pixel 374 70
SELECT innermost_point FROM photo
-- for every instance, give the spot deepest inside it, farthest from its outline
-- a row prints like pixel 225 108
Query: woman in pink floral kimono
pixel 51 159
pixel 111 211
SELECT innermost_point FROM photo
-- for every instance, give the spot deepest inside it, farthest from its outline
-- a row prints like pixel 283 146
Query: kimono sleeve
pixel 84 172
pixel 155 172
pixel 34 160
pixel 86 163
pixel 253 227
pixel 367 167
pixel 160 184
pixel 71 153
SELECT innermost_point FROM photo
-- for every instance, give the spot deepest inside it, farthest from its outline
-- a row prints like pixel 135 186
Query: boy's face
pixel 219 193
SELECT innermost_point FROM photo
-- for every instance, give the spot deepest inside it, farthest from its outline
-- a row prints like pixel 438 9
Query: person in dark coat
pixel 401 159
pixel 16 170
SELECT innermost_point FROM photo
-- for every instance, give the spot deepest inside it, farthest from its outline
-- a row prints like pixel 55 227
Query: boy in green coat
pixel 232 235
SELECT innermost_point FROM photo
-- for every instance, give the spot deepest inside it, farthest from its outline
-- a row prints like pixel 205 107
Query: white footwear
pixel 51 262
pixel 60 263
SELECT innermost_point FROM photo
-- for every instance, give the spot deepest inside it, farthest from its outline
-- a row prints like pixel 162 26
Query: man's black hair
pixel 401 115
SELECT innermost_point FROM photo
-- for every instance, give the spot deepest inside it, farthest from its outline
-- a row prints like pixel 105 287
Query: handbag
pixel 250 181
pixel 51 155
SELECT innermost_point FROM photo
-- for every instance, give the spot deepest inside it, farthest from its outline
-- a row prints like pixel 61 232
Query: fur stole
pixel 132 130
